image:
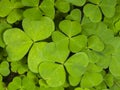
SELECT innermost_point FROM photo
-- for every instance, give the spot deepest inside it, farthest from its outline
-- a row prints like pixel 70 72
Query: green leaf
pixel 54 74
pixel 91 79
pixel 109 49
pixel 3 27
pixel 15 15
pixel 117 26
pixel 81 89
pixel 32 76
pixel 15 84
pixel 19 66
pixel 61 52
pixel 57 36
pixel 115 87
pixel 47 6
pixel 17 3
pixel 78 43
pixel 43 84
pixel 30 3
pixel 93 56
pixel 4 68
pixel 75 15
pixel 109 80
pixel 62 6
pixel 93 68
pixel 104 60
pixel 5 7
pixel 76 64
pixel 35 56
pixel 95 1
pixel 28 84
pixel 74 81
pixel 32 13
pixel 114 65
pixel 116 45
pixel 94 15
pixel 70 28
pixel 38 29
pixel 95 43
pixel 100 29
pixel 22 83
pixel 108 7
pixel 2 84
pixel 51 88
pixel 101 86
pixel 18 44
pixel 77 2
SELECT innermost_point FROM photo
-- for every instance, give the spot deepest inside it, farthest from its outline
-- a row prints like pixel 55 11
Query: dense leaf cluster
pixel 59 44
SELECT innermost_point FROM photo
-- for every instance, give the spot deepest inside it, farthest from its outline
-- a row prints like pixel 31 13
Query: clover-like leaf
pixel 95 1
pixel 70 28
pixel 18 43
pixel 91 79
pixel 93 56
pixel 93 68
pixel 114 65
pixel 19 66
pixel 28 84
pixel 5 7
pixel 76 64
pixel 78 88
pixel 32 13
pixel 22 83
pixel 4 68
pixel 62 6
pixel 101 86
pixel 116 45
pixel 35 56
pixel 100 29
pixel 3 27
pixel 115 87
pixel 30 3
pixel 47 6
pixel 95 43
pixel 2 86
pixel 15 15
pixel 94 15
pixel 77 2
pixel 38 29
pixel 53 73
pixel 109 80
pixel 104 60
pixel 117 26
pixel 51 88
pixel 17 4
pixel 75 14
pixel 74 81
pixel 57 36
pixel 108 7
pixel 61 52
pixel 78 43
pixel 15 84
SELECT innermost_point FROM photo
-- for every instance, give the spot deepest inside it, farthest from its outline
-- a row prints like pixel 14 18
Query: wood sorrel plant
pixel 59 45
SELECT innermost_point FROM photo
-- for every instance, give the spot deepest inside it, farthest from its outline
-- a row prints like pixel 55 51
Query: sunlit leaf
pixel 18 43
pixel 76 64
pixel 93 12
pixel 54 74
pixel 70 28
pixel 38 29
